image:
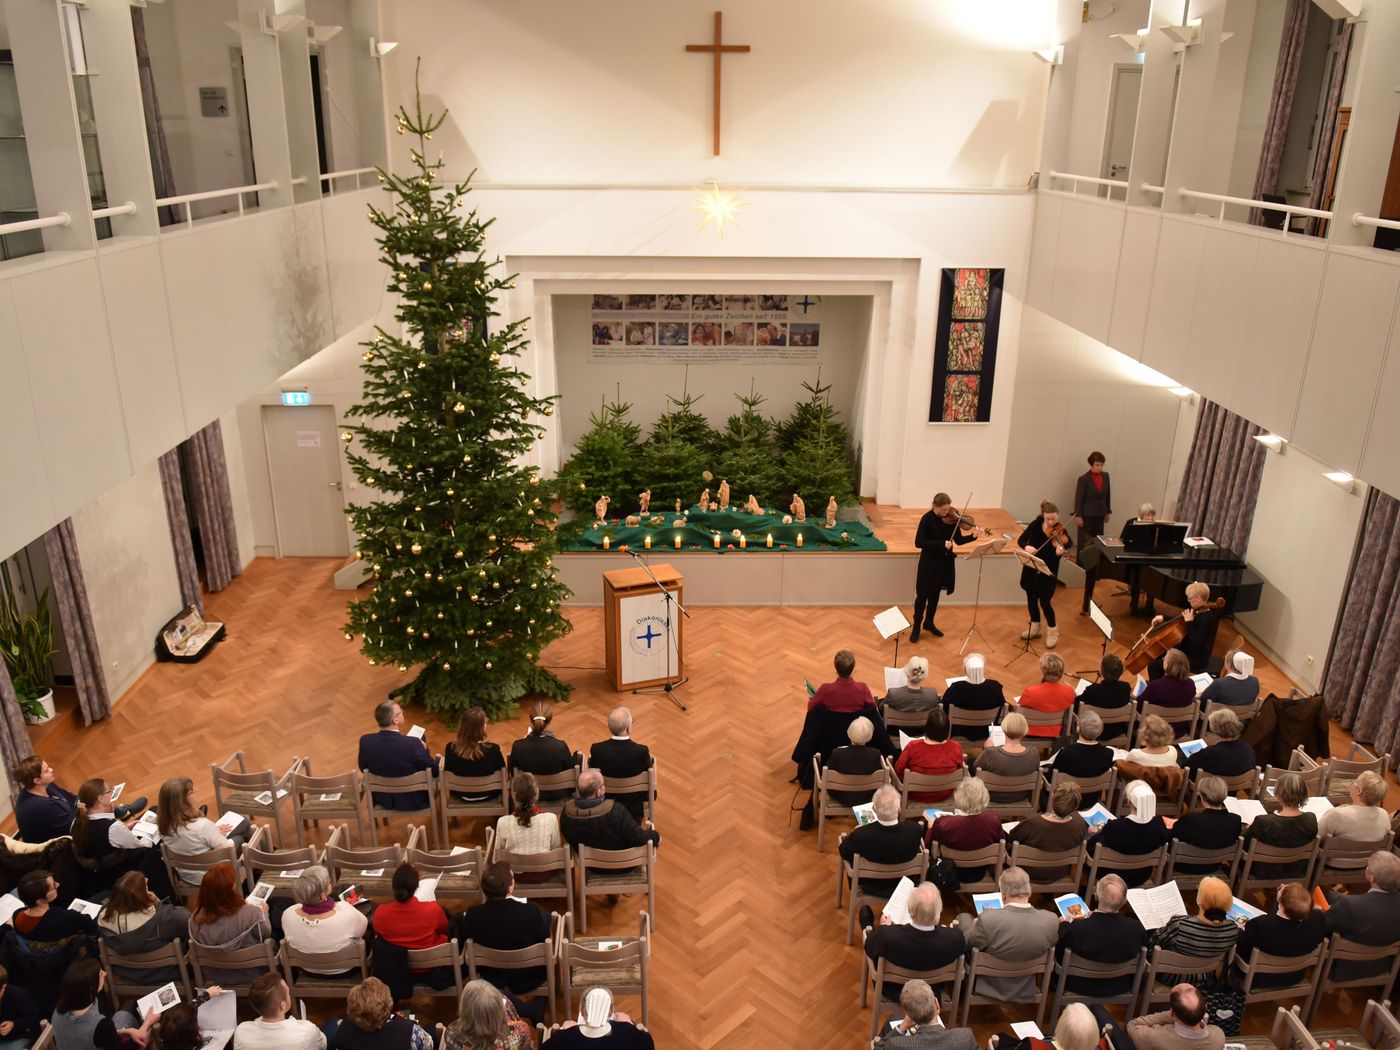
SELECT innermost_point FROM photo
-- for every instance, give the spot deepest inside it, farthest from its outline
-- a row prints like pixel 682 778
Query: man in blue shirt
pixel 44 810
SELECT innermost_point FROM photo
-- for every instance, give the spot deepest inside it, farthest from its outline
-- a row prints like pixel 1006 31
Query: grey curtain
pixel 161 171
pixel 1327 125
pixel 1362 685
pixel 1221 483
pixel 14 737
pixel 207 471
pixel 180 540
pixel 1290 59
pixel 74 613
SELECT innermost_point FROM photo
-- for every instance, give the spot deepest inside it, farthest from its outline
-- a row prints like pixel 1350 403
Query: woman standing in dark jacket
pixel 1093 506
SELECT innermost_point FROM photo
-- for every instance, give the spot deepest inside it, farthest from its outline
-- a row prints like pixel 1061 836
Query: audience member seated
pixel 406 921
pixel 486 1018
pixel 921 944
pixel 1237 687
pixel 505 923
pixel 973 826
pixel 1205 934
pixel 1183 1026
pixel 913 697
pixel 1371 918
pixel 527 828
pixel 1015 932
pixel 856 759
pixel 845 694
pixel 371 1024
pixel 1141 831
pixel 1363 818
pixel 920 1028
pixel 1085 758
pixel 319 922
pixel 620 757
pixel 108 844
pixel 388 753
pixel 187 830
pixel 1201 624
pixel 1173 689
pixel 1210 827
pixel 19 1016
pixel 1105 935
pixel 1155 746
pixel 600 1028
pixel 976 692
pixel 1110 692
pixel 1050 694
pixel 472 755
pixel 272 1029
pixel 1229 756
pixel 38 920
pixel 1012 759
pixel 177 1027
pixel 1059 829
pixel 224 920
pixel 134 920
pixel 1295 928
pixel 933 754
pixel 888 840
pixel 43 810
pixel 594 820
pixel 541 752
pixel 77 1018
pixel 1289 828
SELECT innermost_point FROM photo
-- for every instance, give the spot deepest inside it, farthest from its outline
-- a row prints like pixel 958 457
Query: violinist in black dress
pixel 937 562
pixel 1044 537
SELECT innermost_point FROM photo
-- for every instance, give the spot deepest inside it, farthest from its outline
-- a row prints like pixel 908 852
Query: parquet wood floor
pixel 749 951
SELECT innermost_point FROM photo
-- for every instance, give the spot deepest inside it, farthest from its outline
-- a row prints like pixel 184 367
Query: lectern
pixel 634 627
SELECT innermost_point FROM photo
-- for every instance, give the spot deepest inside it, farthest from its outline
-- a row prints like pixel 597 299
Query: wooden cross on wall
pixel 719 49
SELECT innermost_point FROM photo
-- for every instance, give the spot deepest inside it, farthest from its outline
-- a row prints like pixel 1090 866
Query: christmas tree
pixel 675 459
pixel 460 538
pixel 748 458
pixel 817 449
pixel 604 463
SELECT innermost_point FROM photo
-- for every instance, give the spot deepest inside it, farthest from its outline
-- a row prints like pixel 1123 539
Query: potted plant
pixel 26 643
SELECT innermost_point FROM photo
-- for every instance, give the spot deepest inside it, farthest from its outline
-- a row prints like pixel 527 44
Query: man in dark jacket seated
pixel 505 924
pixel 1295 928
pixel 921 944
pixel 888 840
pixel 620 757
pixel 1104 936
pixel 387 753
pixel 589 819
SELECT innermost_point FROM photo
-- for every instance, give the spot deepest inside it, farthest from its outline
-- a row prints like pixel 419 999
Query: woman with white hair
pixel 1238 687
pixel 973 692
pixel 972 826
pixel 916 696
pixel 600 1026
pixel 1141 831
pixel 857 758
pixel 1011 759
pixel 319 922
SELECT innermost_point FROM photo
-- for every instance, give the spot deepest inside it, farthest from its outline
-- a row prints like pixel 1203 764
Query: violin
pixel 1056 533
pixel 968 523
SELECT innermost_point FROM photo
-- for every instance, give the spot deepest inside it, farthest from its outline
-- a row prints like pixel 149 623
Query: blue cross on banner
pixel 806 303
pixel 648 636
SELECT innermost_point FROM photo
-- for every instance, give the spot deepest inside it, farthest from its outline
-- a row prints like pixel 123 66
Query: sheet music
pixel 890 622
pixel 897 907
pixel 895 678
pixel 1155 906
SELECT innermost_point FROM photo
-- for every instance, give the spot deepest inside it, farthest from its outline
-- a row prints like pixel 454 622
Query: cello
pixel 1155 641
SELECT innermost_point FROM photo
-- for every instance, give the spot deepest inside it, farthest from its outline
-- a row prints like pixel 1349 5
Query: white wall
pixel 845 336
pixel 129 570
pixel 1073 395
pixel 1098 55
pixel 1257 92
pixel 885 92
pixel 1304 532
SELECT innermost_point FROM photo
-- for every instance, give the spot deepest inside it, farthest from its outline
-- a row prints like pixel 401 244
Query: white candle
pixel 607 542
pixel 678 541
pixel 743 542
pixel 770 539
pixel 648 541
pixel 799 539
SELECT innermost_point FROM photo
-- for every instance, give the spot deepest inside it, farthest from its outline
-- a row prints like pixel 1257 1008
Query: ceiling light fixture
pixel 1272 442
pixel 1054 56
pixel 717 205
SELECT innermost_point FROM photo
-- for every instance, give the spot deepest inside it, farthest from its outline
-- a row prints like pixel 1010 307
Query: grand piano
pixel 1161 566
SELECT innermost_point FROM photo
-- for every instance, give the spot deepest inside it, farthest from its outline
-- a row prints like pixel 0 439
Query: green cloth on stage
pixel 700 527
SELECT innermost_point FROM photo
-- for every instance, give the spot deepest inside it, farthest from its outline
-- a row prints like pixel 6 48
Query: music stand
pixel 891 624
pixel 1105 626
pixel 1029 561
pixel 979 552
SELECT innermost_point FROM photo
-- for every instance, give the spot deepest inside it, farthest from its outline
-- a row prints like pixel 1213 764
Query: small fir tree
pixel 677 457
pixel 748 457
pixel 460 538
pixel 817 451
pixel 604 462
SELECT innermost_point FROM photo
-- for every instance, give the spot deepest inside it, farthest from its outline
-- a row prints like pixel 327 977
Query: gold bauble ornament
pixel 488 665
pixel 398 546
pixel 488 623
pixel 427 286
pixel 517 608
pixel 347 437
pixel 495 357
pixel 475 598
pixel 495 585
pixel 549 410
pixel 534 480
pixel 471 632
pixel 447 667
pixel 425 634
pixel 459 555
pixel 439 616
pixel 532 623
pixel 450 492
pixel 408 592
pixel 533 586
pixel 417 548
pixel 409 629
pixel 492 537
pixel 372 663
pixel 377 566
pixel 403 668
pixel 418 509
pixel 349 637
pixel 481 573
pixel 581 486
pixel 367 356
pixel 373 616
pixel 459 408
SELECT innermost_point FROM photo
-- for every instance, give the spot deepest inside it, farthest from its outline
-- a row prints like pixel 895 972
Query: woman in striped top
pixel 1208 934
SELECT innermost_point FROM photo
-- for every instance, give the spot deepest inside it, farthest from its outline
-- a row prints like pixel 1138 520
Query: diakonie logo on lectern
pixel 647 635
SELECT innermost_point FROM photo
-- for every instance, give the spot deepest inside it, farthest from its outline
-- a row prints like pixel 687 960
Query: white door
pixel 1122 123
pixel 303 457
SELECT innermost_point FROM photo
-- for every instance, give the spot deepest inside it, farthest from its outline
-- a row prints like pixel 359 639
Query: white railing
pixel 25 225
pixel 1370 220
pixel 237 192
pixel 300 180
pixel 351 173
pixel 1147 187
pixel 1289 210
pixel 129 208
pixel 1075 180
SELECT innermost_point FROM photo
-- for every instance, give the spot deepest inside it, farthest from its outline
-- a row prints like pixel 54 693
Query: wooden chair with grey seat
pixel 323 975
pixel 1039 969
pixel 608 871
pixel 874 977
pixel 274 866
pixel 457 870
pixel 1384 961
pixel 558 864
pixel 420 783
pixel 178 864
pixel 335 798
pixel 825 781
pixel 859 872
pixel 1162 964
pixel 248 964
pixel 441 956
pixel 1070 967
pixel 122 985
pixel 621 967
pixel 543 955
pixel 253 794
pixel 369 869
pixel 1260 962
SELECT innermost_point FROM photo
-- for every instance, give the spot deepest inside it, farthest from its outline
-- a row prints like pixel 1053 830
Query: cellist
pixel 1047 539
pixel 1201 625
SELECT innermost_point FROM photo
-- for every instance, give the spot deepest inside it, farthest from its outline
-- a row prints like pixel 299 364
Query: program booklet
pixel 865 814
pixel 986 901
pixel 1072 906
pixel 1240 912
pixel 1190 747
pixel 1096 816
pixel 1247 809
pixel 162 999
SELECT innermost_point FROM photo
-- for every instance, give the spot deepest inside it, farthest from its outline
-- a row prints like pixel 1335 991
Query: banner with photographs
pixel 965 346
pixel 695 328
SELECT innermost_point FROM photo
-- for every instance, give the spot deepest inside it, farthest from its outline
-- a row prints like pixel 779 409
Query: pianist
pixel 1201 625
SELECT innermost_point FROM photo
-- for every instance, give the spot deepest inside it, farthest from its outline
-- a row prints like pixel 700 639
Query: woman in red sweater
pixel 1050 694
pixel 406 921
pixel 933 754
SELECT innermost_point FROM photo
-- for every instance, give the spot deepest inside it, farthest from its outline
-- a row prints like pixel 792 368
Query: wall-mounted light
pixel 1134 41
pixel 1272 442
pixel 1184 35
pixel 1055 56
pixel 380 48
pixel 320 34
pixel 1184 392
pixel 1341 479
pixel 270 25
